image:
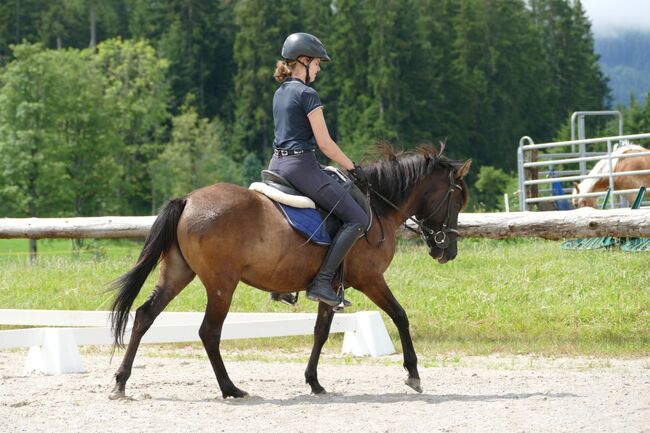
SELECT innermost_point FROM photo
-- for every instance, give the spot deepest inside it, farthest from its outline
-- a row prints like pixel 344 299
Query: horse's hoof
pixel 116 394
pixel 414 383
pixel 316 388
pixel 235 393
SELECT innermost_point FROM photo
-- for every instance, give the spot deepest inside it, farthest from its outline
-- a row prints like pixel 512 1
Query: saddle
pixel 318 225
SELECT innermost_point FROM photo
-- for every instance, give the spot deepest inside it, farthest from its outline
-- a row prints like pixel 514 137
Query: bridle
pixel 441 237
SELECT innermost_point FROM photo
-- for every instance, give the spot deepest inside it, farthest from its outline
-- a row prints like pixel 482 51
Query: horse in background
pixel 620 182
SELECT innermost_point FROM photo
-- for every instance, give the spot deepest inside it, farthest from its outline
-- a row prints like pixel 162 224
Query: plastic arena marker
pixel 370 337
pixel 58 353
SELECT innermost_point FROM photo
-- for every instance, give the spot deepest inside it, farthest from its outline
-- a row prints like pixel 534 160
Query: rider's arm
pixel 325 142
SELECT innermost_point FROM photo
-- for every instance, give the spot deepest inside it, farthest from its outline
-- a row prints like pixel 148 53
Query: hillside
pixel 625 60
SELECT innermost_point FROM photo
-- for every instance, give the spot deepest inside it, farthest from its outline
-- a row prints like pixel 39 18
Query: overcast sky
pixel 610 16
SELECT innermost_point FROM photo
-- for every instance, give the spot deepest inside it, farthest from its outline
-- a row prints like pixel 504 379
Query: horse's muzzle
pixel 443 256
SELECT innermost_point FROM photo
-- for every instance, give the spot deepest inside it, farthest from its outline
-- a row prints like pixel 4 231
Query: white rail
pixel 54 350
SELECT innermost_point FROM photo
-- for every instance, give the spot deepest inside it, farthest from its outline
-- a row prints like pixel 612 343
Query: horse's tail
pixel 160 238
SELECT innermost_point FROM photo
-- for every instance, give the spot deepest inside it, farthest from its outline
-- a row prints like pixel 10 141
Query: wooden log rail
pixel 579 223
pixel 585 222
pixel 110 227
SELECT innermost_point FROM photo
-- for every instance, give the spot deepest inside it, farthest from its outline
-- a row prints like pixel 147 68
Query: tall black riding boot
pixel 320 288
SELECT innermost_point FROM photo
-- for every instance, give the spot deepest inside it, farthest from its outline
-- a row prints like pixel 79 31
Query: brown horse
pixel 225 234
pixel 620 182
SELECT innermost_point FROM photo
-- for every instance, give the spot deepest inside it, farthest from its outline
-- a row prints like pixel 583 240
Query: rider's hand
pixel 359 177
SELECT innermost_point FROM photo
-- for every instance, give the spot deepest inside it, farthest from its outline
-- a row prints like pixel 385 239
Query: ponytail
pixel 283 70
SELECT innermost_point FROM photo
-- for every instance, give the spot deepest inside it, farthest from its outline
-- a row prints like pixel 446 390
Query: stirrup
pixel 344 302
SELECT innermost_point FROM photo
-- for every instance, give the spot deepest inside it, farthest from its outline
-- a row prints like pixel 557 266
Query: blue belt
pixel 283 152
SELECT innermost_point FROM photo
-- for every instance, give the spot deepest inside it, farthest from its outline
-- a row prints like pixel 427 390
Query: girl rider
pixel 299 127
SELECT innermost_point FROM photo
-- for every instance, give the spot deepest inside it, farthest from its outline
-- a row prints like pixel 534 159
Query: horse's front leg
pixel 210 333
pixel 321 332
pixel 379 293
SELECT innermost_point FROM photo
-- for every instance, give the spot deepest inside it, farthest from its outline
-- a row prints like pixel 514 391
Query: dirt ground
pixel 470 394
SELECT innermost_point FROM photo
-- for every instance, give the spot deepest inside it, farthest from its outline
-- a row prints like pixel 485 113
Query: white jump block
pixel 55 351
pixel 369 338
pixel 57 354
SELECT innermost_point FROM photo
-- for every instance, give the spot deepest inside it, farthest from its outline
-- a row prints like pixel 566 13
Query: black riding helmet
pixel 304 44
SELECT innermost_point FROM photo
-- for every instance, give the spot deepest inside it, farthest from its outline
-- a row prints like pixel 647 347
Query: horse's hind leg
pixel 210 332
pixel 175 275
pixel 321 332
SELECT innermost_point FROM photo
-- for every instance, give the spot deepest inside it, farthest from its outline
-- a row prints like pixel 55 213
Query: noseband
pixel 440 237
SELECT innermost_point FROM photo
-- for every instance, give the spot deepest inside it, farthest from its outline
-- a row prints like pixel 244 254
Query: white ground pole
pixel 55 350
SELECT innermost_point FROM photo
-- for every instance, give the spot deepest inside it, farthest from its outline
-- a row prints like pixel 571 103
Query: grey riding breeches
pixel 305 174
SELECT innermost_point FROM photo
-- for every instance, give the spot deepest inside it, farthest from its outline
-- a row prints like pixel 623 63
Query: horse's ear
pixel 461 172
pixel 576 186
pixel 443 144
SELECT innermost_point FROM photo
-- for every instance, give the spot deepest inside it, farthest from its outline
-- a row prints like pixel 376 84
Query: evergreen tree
pixel 19 21
pixel 577 83
pixel 590 83
pixel 470 64
pixel 351 101
pixel 511 68
pixel 420 115
pixel 262 27
pixel 197 37
pixel 444 99
pixel 637 116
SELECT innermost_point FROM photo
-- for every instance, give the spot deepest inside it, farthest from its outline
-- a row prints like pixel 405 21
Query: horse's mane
pixel 602 167
pixel 395 174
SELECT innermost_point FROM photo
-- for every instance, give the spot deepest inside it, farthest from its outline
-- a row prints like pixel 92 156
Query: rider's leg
pixel 333 196
pixel 305 174
pixel 320 288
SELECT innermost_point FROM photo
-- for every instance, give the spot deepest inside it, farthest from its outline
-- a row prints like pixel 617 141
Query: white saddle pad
pixel 281 197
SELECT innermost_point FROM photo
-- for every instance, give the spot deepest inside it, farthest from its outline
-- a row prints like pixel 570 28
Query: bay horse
pixel 226 234
pixel 620 182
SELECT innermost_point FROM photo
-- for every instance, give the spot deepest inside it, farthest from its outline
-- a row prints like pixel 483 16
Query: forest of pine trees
pixel 113 106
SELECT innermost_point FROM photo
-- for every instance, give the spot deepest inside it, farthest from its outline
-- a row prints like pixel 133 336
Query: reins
pixel 440 237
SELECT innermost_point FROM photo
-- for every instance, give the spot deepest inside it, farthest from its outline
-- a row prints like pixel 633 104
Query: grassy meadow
pixel 512 296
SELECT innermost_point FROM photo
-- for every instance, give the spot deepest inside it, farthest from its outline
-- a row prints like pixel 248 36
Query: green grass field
pixel 514 296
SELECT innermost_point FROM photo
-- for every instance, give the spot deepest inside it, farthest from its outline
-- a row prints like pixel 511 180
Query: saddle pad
pixel 281 197
pixel 309 222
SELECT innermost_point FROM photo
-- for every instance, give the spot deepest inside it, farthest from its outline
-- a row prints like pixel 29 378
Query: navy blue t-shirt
pixel 292 103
